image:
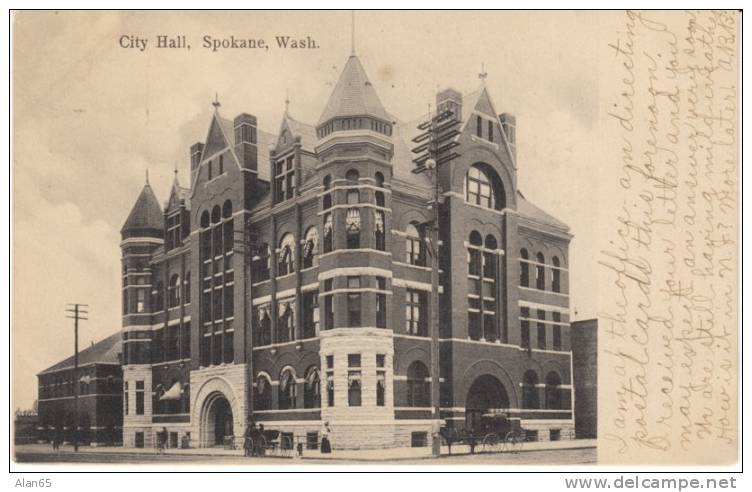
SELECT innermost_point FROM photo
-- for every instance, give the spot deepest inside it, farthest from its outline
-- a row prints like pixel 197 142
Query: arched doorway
pixel 486 395
pixel 217 421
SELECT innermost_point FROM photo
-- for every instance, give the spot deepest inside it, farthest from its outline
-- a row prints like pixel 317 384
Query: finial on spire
pixel 147 175
pixel 287 101
pixel 483 74
pixel 216 103
pixel 352 33
pixel 176 170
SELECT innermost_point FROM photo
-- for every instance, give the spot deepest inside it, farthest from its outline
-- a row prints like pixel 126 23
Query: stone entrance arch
pixel 217 411
pixel 487 394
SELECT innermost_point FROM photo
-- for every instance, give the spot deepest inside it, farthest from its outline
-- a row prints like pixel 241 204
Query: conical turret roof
pixel 146 214
pixel 353 95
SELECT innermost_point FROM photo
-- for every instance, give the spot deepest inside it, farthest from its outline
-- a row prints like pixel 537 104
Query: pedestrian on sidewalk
pixel 251 435
pixel 161 440
pixel 326 446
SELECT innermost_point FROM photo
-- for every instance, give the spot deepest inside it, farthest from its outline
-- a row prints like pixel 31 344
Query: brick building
pixel 100 400
pixel 585 372
pixel 325 317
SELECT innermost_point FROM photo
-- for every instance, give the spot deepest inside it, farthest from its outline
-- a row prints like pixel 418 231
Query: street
pixel 35 454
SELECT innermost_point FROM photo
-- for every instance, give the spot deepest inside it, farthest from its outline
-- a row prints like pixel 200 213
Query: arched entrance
pixel 216 422
pixel 486 395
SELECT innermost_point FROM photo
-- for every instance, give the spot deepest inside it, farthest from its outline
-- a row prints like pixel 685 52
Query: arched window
pixel 379 196
pixel 227 209
pixel 174 291
pixel 328 233
pixel 556 275
pixel 205 219
pixel 285 321
pixel 484 188
pixel 287 387
pixel 311 247
pixel 265 326
pixel 379 178
pixel 540 272
pixel 216 214
pixel 418 385
pixel 352 228
pixel 261 264
pixel 413 246
pixel 286 262
pixel 352 175
pixel 327 182
pixel 312 388
pixel 530 390
pixel 263 393
pixel 474 255
pixel 553 391
pixel 524 268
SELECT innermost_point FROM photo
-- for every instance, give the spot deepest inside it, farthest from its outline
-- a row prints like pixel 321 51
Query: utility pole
pixel 435 149
pixel 76 312
pixel 246 244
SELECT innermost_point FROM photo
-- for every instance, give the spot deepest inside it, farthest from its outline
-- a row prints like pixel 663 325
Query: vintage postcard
pixel 390 237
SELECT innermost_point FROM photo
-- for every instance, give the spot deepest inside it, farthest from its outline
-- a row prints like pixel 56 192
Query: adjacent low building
pixel 585 370
pixel 100 401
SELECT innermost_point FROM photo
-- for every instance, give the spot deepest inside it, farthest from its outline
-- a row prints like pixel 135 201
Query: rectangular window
pixel 353 302
pixel 490 131
pixel 354 381
pixel 139 440
pixel 479 126
pixel 415 305
pixel 328 305
pixel 557 330
pixel 284 179
pixel 380 380
pixel 525 327
pixel 330 380
pixel 310 314
pixel 139 397
pixel 541 329
pixel 125 399
pixel 381 303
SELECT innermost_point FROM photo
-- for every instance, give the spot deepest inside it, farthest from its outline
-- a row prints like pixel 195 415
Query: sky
pixel 90 117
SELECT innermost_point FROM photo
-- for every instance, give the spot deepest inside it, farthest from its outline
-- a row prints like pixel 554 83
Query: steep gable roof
pixel 353 95
pixel 537 214
pixel 103 352
pixel 146 213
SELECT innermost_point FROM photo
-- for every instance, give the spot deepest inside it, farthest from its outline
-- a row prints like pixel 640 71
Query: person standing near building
pixel 326 446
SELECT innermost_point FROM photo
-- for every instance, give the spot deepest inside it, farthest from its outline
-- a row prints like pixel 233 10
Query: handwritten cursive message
pixel 668 384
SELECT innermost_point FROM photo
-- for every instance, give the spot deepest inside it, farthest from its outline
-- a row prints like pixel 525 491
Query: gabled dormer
pixel 488 174
pixel 293 158
pixel 177 217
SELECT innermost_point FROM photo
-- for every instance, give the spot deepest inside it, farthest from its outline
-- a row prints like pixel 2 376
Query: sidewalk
pixel 363 455
pixel 419 453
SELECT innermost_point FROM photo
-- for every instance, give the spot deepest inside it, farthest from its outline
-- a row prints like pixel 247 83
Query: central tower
pixel 355 153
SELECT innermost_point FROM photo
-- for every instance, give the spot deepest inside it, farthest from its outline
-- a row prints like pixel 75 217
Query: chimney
pixel 508 125
pixel 449 99
pixel 196 150
pixel 246 140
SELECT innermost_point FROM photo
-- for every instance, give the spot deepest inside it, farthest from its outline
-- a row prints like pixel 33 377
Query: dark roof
pixel 103 352
pixel 306 132
pixel 353 95
pixel 146 213
pixel 527 209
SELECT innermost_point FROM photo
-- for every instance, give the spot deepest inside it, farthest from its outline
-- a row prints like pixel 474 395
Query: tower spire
pixel 483 74
pixel 352 33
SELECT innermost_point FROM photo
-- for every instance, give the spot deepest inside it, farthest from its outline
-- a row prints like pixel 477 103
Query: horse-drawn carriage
pixel 263 442
pixel 493 433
